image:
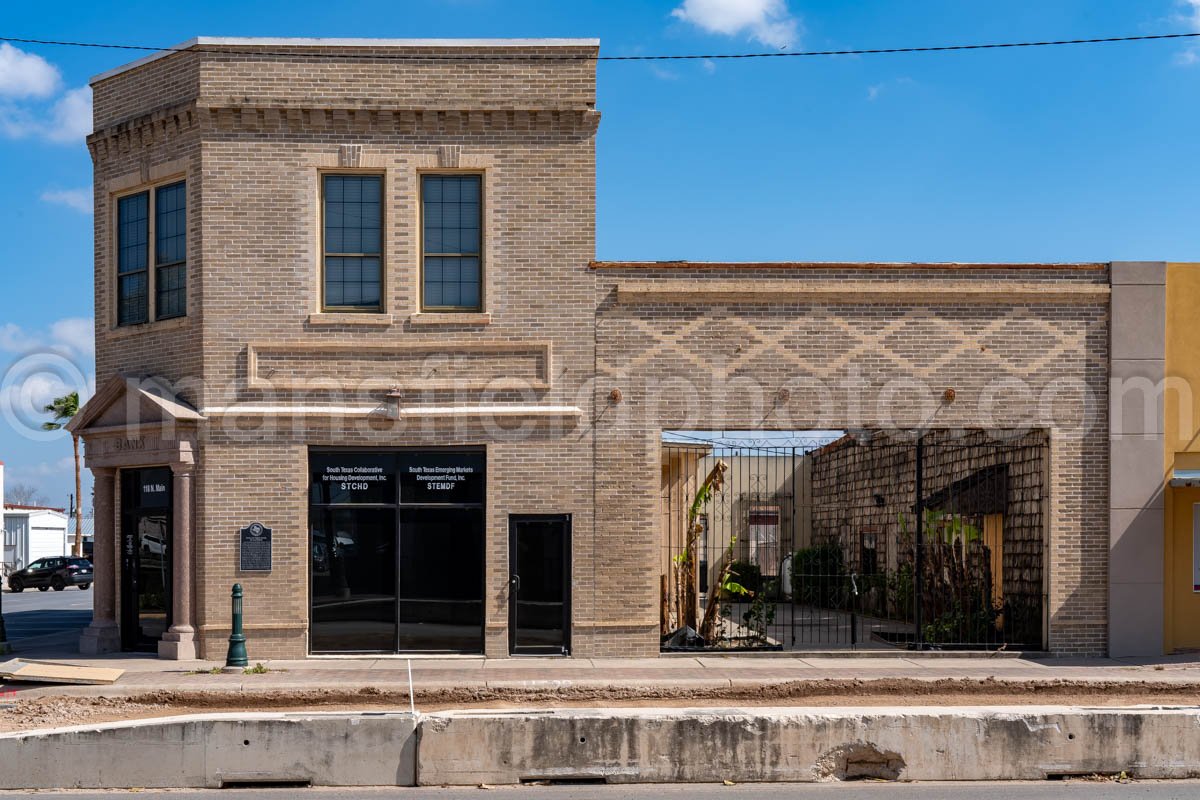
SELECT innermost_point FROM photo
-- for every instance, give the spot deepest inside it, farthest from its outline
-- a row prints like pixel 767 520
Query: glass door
pixel 146 517
pixel 539 584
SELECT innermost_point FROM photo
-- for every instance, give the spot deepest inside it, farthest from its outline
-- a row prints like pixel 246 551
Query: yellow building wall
pixel 1181 426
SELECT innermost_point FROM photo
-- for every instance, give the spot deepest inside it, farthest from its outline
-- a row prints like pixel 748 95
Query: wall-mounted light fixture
pixel 393 402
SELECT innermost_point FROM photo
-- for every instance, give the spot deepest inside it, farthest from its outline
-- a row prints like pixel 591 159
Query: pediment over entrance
pixel 135 421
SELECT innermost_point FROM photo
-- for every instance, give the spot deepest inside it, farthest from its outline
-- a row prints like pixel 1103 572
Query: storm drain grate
pixel 565 780
pixel 266 783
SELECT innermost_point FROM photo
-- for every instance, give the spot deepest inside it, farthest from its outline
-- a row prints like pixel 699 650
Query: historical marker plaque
pixel 255 548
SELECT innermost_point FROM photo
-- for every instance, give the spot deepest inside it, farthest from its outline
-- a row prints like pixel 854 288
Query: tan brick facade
pixel 253 126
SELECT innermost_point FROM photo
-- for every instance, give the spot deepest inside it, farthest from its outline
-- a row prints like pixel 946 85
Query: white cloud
pixel 78 199
pixel 26 74
pixel 25 395
pixel 1189 17
pixel 1191 13
pixel 663 74
pixel 16 122
pixel 71 336
pixel 48 468
pixel 767 21
pixel 71 117
pixel 77 333
pixel 30 105
pixel 46 363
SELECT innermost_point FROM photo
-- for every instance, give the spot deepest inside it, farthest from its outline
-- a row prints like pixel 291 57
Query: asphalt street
pixel 33 613
pixel 1074 790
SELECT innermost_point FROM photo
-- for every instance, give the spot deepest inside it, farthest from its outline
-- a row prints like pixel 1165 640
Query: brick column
pixel 179 642
pixel 103 635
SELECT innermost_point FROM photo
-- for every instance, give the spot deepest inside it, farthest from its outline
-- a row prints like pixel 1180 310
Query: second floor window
pixel 353 224
pixel 133 264
pixel 160 214
pixel 170 251
pixel 452 242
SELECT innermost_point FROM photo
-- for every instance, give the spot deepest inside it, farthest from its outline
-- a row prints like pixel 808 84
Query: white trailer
pixel 33 532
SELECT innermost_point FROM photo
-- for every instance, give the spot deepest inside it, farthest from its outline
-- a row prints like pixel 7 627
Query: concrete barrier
pixel 610 745
pixel 214 750
pixel 801 745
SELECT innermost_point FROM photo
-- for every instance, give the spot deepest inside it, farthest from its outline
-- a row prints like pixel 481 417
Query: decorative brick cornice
pixel 859 292
pixel 818 265
pixel 142 131
pixel 250 115
pixel 163 123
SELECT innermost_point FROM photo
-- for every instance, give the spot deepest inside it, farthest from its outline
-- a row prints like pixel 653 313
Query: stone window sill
pixel 450 318
pixel 174 323
pixel 368 320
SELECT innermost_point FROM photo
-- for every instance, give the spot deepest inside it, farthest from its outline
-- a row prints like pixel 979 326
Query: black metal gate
pixel 864 539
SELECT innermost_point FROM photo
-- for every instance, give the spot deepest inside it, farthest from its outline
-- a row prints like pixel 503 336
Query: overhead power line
pixel 426 56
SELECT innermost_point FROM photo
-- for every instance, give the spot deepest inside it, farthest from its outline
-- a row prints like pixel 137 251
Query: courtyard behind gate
pixel 868 539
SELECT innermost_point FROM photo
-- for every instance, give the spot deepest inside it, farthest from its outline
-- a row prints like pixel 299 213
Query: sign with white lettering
pixel 422 477
pixel 153 488
pixel 255 550
pixel 354 478
pixel 441 477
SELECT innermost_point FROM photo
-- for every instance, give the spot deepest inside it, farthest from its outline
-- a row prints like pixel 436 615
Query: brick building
pixel 354 352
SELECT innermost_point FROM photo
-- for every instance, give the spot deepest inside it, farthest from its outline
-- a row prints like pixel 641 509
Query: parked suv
pixel 52 573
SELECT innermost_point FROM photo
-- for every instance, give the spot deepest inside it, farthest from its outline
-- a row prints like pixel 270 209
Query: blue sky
pixel 1080 153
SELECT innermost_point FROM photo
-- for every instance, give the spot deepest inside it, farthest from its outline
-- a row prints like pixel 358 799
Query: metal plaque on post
pixel 255 548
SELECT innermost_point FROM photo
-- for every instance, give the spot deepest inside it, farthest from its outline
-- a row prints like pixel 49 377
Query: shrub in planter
pixel 819 576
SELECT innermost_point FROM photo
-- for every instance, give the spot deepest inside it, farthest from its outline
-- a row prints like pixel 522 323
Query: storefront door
pixel 539 549
pixel 145 557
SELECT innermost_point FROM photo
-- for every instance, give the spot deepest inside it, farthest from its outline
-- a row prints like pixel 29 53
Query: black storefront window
pixel 397 551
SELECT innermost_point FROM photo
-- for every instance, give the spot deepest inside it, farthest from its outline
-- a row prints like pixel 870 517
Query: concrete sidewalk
pixel 146 673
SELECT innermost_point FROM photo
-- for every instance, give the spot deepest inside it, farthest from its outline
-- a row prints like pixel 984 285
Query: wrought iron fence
pixel 871 539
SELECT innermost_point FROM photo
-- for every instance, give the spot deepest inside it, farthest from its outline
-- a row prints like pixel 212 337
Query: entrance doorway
pixel 539 548
pixel 146 516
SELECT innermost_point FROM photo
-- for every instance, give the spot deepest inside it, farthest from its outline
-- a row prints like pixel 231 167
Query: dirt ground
pixel 59 711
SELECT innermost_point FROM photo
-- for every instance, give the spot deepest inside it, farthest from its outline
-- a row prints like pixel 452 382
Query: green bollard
pixel 236 657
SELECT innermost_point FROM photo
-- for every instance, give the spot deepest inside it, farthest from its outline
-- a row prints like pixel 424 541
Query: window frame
pixel 149 265
pixel 483 242
pixel 150 189
pixel 154 244
pixel 322 254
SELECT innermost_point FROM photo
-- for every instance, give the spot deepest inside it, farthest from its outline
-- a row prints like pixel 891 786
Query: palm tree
pixel 64 408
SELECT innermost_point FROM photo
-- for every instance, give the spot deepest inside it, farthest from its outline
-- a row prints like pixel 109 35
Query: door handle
pixel 514 583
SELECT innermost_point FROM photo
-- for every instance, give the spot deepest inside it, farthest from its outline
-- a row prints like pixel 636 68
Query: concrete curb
pixel 623 745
